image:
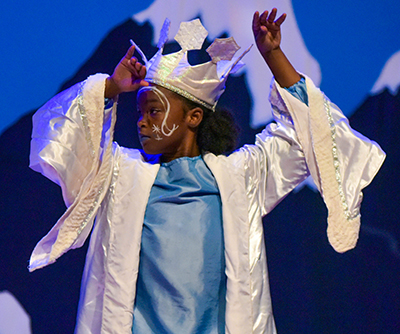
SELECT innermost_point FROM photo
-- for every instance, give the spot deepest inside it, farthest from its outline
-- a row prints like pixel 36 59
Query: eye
pixel 154 111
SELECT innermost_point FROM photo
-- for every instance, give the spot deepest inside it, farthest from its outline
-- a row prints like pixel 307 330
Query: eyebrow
pixel 147 102
pixel 152 100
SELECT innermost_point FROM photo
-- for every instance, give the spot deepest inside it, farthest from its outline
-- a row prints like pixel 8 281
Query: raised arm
pixel 267 34
pixel 72 144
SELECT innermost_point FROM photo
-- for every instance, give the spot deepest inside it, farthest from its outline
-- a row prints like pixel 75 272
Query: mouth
pixel 143 138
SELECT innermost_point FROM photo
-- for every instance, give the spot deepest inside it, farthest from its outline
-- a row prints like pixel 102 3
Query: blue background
pixel 44 42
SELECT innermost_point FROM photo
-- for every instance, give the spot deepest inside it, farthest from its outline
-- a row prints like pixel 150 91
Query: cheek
pixel 158 135
pixel 168 125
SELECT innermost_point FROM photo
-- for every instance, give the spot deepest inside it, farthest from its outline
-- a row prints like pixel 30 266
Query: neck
pixel 189 151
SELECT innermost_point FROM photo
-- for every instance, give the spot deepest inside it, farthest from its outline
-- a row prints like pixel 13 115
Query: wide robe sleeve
pixel 72 146
pixel 340 160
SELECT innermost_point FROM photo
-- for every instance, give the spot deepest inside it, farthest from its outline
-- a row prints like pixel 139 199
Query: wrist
pixel 271 54
pixel 111 89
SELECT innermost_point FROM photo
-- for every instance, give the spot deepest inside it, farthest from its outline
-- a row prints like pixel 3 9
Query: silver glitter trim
pixel 336 162
pixel 114 178
pixel 91 210
pixel 88 137
pixel 181 92
pixel 82 113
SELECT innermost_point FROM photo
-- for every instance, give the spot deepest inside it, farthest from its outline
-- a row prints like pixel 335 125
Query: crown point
pixel 191 35
pixel 164 33
pixel 222 49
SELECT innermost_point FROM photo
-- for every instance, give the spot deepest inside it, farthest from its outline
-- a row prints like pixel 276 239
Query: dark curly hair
pixel 217 132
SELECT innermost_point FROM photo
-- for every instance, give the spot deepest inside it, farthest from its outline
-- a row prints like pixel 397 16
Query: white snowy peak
pixel 389 77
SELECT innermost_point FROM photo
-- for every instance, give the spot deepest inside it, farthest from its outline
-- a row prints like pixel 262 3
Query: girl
pixel 177 246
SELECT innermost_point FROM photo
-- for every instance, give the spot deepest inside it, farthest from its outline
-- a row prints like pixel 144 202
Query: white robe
pixel 72 145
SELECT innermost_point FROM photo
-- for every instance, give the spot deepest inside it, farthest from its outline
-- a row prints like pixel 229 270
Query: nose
pixel 142 121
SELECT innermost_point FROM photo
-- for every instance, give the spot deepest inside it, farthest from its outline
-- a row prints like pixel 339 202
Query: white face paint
pixel 157 131
pixel 164 130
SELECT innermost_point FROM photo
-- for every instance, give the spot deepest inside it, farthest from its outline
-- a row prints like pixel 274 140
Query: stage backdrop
pixel 350 48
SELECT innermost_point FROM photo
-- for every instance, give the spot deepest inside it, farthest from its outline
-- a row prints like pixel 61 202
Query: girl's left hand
pixel 267 31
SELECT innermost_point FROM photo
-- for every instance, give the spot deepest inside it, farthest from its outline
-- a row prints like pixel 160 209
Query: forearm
pixel 283 71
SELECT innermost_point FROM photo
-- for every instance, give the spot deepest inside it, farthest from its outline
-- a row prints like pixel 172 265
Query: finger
pixel 139 82
pixel 263 17
pixel 142 72
pixel 271 17
pixel 143 83
pixel 138 71
pixel 132 64
pixel 130 52
pixel 138 66
pixel 256 21
pixel 281 19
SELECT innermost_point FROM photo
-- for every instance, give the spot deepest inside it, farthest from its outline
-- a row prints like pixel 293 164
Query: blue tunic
pixel 299 90
pixel 181 284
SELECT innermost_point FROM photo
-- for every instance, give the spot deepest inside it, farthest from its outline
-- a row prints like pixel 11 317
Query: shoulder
pixel 133 154
pixel 233 163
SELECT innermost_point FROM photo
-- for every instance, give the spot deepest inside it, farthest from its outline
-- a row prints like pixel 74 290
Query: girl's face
pixel 162 124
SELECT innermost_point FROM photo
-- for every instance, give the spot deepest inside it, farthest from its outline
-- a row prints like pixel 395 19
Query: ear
pixel 194 117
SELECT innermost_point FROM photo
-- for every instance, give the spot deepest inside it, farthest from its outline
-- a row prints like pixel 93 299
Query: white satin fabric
pixel 100 178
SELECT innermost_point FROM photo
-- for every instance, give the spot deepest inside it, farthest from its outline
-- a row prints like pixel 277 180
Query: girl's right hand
pixel 128 76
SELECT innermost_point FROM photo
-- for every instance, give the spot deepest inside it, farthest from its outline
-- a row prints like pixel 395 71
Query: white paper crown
pixel 203 83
